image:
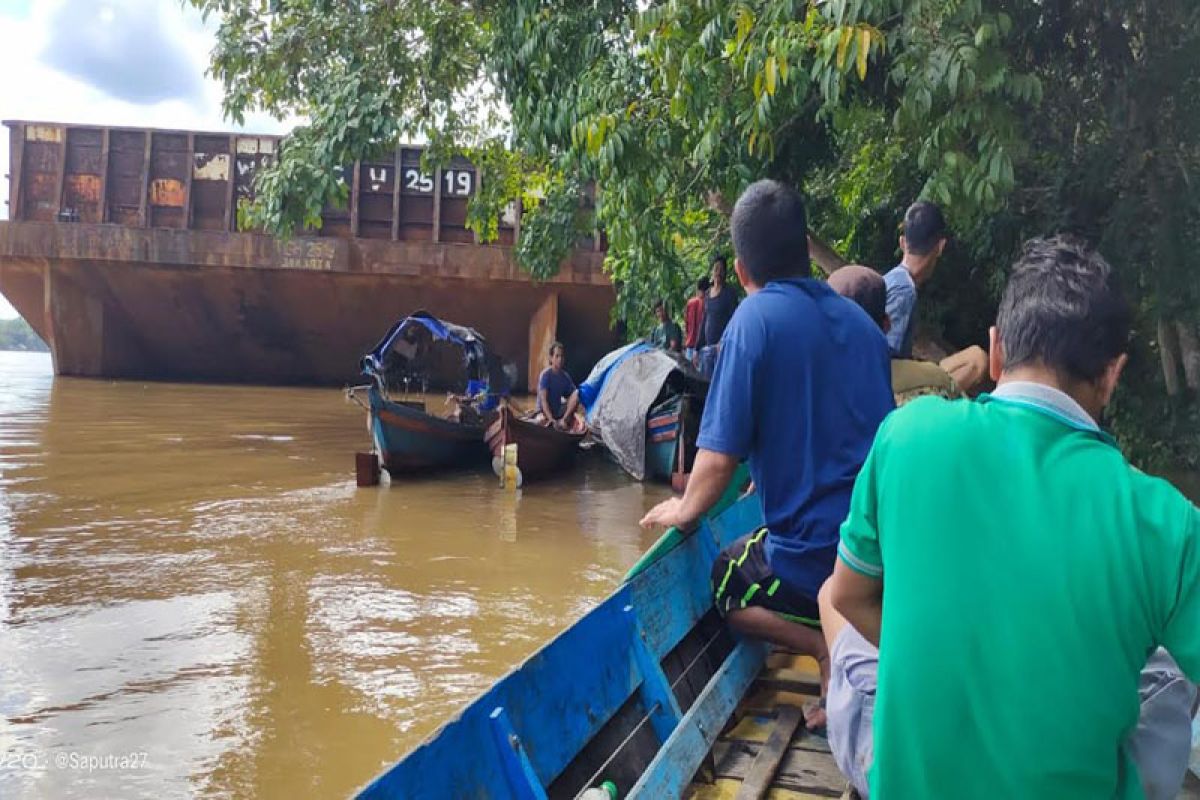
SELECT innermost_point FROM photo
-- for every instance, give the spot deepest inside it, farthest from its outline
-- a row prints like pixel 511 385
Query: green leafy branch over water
pixel 1020 118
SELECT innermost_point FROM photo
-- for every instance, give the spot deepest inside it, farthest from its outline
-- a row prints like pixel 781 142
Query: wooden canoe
pixel 541 450
pixel 637 692
pixel 409 439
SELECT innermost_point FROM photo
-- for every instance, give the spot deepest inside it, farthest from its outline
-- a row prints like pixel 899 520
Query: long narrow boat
pixel 638 693
pixel 542 450
pixel 408 439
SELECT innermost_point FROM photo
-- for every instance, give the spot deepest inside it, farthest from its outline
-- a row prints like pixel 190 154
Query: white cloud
pixel 63 62
pixel 129 50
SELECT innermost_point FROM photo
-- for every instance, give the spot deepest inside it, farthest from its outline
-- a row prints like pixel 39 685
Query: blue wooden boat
pixel 662 439
pixel 671 429
pixel 408 439
pixel 636 693
pixel 635 385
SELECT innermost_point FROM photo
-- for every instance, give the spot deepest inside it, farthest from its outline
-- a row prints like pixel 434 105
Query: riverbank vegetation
pixel 1019 118
pixel 15 334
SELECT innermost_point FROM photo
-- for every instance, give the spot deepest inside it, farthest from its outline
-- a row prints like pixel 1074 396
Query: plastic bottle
pixel 605 791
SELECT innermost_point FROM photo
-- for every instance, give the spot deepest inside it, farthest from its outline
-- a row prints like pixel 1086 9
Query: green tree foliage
pixel 15 334
pixel 1019 118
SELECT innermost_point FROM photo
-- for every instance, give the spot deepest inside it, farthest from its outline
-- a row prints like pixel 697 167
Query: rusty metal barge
pixel 123 252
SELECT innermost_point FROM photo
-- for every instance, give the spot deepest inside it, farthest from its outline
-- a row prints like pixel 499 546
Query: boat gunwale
pixel 652 606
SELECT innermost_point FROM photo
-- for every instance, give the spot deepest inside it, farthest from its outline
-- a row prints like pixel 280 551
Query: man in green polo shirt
pixel 1026 571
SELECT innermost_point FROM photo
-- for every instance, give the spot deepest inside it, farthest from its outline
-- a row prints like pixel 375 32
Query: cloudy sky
pixel 107 62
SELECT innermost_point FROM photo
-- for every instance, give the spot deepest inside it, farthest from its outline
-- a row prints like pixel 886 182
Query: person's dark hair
pixel 718 259
pixel 1063 309
pixel 660 303
pixel 704 284
pixel 865 287
pixel 770 232
pixel 924 227
pixel 557 346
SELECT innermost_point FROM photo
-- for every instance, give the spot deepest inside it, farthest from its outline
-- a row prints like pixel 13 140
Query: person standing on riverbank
pixel 693 319
pixel 922 243
pixel 1056 560
pixel 666 333
pixel 799 390
pixel 720 301
pixel 910 378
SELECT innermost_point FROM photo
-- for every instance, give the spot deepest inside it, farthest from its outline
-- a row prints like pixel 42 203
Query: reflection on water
pixel 190 572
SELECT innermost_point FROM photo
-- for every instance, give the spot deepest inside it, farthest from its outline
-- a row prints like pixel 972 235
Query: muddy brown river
pixel 196 600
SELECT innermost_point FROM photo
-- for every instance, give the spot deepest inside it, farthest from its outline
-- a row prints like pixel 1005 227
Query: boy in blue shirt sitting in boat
pixel 801 384
pixel 557 397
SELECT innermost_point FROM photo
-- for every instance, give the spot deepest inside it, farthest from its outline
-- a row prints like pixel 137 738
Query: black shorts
pixel 742 577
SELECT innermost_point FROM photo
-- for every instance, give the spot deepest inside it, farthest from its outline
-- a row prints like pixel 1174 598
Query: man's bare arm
pixel 710 475
pixel 859 599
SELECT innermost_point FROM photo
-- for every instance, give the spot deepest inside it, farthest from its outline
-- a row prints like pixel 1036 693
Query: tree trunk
pixel 1189 350
pixel 1166 351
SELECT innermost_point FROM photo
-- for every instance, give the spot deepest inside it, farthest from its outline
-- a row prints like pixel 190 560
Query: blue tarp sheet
pixel 589 390
pixel 484 372
pixel 466 338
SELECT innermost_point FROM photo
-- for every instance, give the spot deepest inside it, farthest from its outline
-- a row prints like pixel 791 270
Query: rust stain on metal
pixel 43 133
pixel 84 188
pixel 41 185
pixel 167 192
pixel 211 167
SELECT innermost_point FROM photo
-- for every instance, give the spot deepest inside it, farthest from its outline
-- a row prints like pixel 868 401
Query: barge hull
pixel 125 254
pixel 154 319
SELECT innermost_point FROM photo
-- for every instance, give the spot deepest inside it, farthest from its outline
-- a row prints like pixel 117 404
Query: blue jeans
pixel 708 359
pixel 1160 745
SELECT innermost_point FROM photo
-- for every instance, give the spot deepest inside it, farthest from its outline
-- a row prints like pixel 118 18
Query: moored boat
pixel 406 436
pixel 662 439
pixel 633 385
pixel 541 449
pixel 636 693
pixel 409 439
pixel 671 429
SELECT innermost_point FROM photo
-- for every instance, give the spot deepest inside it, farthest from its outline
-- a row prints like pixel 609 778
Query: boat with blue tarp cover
pixel 644 404
pixel 421 352
pixel 643 692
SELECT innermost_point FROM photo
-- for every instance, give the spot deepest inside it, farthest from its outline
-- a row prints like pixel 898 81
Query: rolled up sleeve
pixel 901 303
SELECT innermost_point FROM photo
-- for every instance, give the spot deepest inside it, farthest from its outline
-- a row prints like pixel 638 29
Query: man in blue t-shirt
pixel 802 383
pixel 557 397
pixel 923 242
